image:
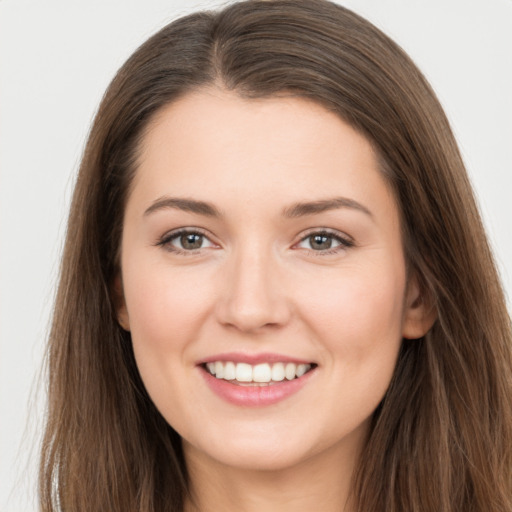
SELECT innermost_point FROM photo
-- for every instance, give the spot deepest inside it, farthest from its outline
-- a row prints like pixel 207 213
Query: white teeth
pixel 219 370
pixel 302 369
pixel 278 372
pixel 229 371
pixel 260 373
pixel 290 371
pixel 243 372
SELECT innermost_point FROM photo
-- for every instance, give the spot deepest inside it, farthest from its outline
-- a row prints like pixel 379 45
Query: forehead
pixel 216 144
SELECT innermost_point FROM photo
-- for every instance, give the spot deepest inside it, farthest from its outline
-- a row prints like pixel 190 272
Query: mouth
pixel 257 375
pixel 256 380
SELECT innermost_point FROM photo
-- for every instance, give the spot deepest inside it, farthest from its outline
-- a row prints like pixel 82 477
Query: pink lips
pixel 254 395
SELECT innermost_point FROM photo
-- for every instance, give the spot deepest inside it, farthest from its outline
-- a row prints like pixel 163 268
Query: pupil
pixel 191 241
pixel 320 242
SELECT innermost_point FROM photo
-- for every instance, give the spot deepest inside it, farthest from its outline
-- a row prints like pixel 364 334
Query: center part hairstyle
pixel 441 439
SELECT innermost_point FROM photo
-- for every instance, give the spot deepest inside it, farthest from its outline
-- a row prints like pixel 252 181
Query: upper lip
pixel 252 359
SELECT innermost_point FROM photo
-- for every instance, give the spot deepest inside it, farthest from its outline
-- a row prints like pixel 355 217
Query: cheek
pixel 166 311
pixel 358 312
pixel 358 324
pixel 163 305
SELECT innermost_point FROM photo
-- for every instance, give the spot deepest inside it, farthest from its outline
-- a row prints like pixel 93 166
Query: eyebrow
pixel 300 209
pixel 187 205
pixel 323 205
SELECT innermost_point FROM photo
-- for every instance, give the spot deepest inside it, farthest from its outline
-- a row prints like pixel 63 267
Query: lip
pixel 255 396
pixel 252 359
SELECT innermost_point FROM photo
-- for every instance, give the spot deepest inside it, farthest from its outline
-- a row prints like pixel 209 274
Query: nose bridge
pixel 253 294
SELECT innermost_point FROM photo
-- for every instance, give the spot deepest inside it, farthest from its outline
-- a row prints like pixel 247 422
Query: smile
pixel 259 374
pixel 257 380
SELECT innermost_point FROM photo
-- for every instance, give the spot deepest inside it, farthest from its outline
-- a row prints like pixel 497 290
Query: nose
pixel 253 297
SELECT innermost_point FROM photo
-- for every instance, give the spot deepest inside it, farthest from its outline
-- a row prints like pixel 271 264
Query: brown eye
pixel 184 241
pixel 325 242
pixel 191 241
pixel 320 242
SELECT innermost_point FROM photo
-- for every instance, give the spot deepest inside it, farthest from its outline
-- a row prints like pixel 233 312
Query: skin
pixel 256 284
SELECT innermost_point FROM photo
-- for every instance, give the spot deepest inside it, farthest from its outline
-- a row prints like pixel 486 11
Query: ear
pixel 120 303
pixel 419 311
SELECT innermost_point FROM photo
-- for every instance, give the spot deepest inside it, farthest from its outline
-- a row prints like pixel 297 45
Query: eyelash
pixel 166 240
pixel 344 242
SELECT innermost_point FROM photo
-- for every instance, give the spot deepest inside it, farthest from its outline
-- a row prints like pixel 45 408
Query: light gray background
pixel 56 59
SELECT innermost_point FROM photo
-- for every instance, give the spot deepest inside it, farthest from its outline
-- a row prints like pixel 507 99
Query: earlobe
pixel 419 311
pixel 120 303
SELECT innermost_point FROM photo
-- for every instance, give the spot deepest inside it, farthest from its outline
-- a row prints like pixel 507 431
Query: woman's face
pixel 260 242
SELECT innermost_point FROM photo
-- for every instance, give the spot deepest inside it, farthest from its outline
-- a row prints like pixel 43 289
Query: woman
pixel 276 289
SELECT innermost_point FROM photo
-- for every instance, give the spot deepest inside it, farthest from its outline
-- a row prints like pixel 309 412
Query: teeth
pixel 230 371
pixel 219 370
pixel 290 370
pixel 259 373
pixel 278 373
pixel 302 369
pixel 243 372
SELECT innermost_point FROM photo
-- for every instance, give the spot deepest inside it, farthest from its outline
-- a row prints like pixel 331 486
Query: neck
pixel 322 482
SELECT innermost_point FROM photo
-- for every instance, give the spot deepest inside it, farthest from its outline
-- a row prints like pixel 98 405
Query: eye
pixel 185 240
pixel 324 242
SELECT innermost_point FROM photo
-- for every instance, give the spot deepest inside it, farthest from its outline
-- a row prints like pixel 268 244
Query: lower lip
pixel 255 396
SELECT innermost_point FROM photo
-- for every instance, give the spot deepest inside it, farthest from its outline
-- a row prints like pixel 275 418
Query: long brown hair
pixel 441 440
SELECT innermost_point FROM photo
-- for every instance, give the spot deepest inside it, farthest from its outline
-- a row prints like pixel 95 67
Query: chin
pixel 268 449
pixel 251 456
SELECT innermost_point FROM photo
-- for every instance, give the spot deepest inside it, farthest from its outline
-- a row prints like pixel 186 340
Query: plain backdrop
pixel 57 58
